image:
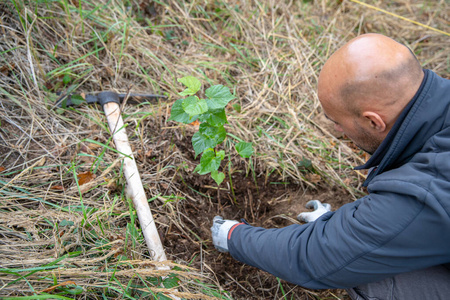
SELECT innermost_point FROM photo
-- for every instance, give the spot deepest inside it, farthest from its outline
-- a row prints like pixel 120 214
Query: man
pixel 393 243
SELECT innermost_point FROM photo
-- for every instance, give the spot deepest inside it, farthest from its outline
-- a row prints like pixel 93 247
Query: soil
pixel 265 201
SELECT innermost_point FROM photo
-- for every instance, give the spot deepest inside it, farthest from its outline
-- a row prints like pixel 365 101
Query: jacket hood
pixel 420 120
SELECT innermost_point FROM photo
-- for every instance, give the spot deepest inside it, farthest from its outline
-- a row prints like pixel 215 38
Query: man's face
pixel 356 128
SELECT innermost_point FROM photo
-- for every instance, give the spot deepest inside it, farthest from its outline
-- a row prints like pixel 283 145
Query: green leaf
pixel 305 163
pixel 77 99
pixel 210 161
pixel 216 117
pixel 194 106
pixel 193 85
pixel 201 142
pixel 178 114
pixel 154 281
pixel 66 223
pixel 237 107
pixel 72 289
pixel 217 176
pixel 66 79
pixel 207 137
pixel 219 96
pixel 216 132
pixel 121 257
pixel 244 149
pixel 171 282
pixel 220 154
pixel 161 296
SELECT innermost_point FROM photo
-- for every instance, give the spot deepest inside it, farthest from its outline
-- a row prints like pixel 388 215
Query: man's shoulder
pixel 428 169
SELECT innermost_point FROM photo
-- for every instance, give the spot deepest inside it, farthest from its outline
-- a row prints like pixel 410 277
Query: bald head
pixel 373 71
pixel 371 75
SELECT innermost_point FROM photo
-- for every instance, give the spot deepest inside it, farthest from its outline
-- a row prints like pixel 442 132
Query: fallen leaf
pixel 366 156
pixel 87 159
pixel 93 146
pixel 109 71
pixel 57 187
pixel 85 177
pixel 2 169
pixel 85 148
pixel 313 178
pixel 347 181
pixel 48 85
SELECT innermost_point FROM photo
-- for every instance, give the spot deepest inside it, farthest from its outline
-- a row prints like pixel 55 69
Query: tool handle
pixel 134 183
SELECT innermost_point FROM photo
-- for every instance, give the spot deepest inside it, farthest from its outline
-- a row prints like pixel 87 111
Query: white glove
pixel 220 231
pixel 318 210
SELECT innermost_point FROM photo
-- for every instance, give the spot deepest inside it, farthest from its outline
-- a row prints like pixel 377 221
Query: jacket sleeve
pixel 375 237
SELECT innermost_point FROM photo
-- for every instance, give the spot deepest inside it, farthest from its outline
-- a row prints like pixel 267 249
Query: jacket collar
pixel 403 140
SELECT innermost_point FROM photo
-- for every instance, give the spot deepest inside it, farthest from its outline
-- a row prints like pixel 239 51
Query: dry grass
pixel 268 52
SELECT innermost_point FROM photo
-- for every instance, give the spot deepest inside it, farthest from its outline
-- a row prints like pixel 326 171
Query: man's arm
pixel 378 236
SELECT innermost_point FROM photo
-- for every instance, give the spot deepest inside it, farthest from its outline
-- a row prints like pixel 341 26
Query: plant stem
pixel 231 180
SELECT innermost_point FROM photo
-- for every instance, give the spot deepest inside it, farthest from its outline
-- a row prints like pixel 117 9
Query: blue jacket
pixel 403 224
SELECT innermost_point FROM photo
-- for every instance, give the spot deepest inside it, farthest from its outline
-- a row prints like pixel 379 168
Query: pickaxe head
pixel 106 97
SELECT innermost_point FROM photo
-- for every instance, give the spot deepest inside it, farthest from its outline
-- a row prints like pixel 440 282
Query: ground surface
pixel 265 201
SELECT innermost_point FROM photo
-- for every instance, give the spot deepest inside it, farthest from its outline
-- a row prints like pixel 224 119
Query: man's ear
pixel 376 122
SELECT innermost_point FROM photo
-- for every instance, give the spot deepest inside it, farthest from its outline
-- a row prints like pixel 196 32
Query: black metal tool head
pixel 106 97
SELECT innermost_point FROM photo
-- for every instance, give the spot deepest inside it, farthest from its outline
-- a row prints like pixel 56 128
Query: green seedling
pixel 210 112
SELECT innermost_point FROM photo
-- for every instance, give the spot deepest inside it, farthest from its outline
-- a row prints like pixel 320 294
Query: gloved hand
pixel 318 210
pixel 220 229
